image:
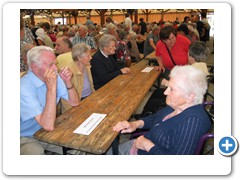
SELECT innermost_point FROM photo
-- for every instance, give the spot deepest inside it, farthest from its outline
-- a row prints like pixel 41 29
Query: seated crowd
pixel 66 64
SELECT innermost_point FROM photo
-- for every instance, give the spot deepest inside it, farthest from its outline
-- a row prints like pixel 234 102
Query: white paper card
pixel 90 123
pixel 147 69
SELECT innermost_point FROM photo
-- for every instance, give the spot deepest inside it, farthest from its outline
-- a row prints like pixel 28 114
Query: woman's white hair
pixel 191 81
pixel 105 41
pixel 79 50
pixel 34 55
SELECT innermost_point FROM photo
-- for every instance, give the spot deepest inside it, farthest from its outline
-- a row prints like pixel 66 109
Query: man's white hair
pixel 34 55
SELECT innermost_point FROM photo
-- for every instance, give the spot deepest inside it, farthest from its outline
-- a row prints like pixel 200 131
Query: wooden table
pixel 151 55
pixel 118 99
pixel 151 58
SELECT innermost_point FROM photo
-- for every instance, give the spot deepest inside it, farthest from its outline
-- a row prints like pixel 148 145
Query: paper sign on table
pixel 147 69
pixel 90 123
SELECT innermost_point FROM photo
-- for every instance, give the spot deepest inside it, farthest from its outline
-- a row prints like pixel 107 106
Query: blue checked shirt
pixel 87 40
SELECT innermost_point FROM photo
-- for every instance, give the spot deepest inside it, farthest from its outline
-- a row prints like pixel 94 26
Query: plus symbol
pixel 227 145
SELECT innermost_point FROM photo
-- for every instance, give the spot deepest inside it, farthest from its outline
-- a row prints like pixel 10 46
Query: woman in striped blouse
pixel 176 129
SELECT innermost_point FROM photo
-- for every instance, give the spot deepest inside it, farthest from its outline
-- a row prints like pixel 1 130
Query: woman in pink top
pixel 176 44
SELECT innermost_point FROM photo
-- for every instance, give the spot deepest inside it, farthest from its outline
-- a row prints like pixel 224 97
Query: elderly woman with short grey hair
pixel 104 67
pixel 198 54
pixel 82 77
pixel 105 41
pixel 176 129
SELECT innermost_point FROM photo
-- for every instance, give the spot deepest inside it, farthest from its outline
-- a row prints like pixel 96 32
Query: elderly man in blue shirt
pixel 41 89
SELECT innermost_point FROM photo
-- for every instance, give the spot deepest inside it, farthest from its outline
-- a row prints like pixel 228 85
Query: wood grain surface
pixel 118 99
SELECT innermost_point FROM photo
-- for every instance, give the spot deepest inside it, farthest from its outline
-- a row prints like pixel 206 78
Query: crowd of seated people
pixel 69 63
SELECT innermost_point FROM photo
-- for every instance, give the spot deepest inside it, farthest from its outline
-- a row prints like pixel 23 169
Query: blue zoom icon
pixel 228 145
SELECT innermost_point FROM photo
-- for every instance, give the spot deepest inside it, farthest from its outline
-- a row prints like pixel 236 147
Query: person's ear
pixel 191 59
pixel 79 59
pixel 34 67
pixel 190 98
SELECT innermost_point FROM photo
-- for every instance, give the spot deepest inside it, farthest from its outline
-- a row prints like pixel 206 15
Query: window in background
pixel 61 20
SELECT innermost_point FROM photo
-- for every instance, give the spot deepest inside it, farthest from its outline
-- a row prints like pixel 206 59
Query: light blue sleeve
pixel 62 91
pixel 30 105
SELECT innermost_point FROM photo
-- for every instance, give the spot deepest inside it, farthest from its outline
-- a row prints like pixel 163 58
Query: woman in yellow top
pixel 80 67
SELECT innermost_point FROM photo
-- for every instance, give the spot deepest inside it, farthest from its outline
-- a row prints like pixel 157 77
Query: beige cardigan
pixel 77 80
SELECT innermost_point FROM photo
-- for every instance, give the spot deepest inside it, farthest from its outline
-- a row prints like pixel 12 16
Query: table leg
pixel 65 150
pixel 158 81
pixel 115 145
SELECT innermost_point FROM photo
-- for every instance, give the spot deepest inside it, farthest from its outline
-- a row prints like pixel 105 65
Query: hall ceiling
pixel 81 12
